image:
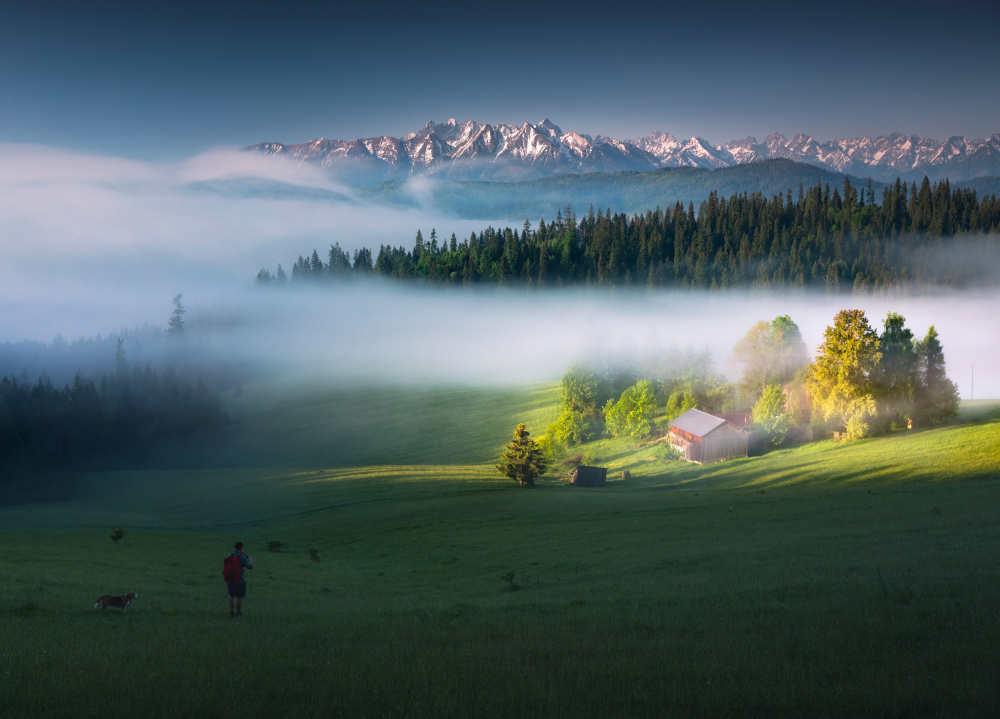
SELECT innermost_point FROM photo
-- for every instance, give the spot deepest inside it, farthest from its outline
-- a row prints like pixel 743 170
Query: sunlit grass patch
pixel 302 426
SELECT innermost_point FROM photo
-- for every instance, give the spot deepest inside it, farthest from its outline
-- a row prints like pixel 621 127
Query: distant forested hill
pixel 629 192
pixel 634 192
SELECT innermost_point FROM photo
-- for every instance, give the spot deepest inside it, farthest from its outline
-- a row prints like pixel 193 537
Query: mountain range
pixel 503 152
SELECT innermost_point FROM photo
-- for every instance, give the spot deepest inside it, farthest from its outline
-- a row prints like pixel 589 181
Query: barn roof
pixel 697 422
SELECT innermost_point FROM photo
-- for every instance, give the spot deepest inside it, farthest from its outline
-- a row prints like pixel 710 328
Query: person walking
pixel 238 589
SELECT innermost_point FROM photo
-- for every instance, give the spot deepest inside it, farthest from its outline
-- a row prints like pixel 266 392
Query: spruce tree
pixel 175 328
pixel 316 268
pixel 522 460
pixel 340 261
pixel 895 376
pixel 937 396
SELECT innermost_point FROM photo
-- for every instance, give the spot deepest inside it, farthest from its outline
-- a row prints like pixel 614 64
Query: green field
pixel 856 579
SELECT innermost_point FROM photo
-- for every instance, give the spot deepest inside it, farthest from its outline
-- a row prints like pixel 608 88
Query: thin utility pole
pixel 972 385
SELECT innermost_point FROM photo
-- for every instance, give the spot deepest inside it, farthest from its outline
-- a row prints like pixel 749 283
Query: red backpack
pixel 231 569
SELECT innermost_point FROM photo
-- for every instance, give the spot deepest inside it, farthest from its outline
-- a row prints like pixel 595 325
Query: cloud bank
pixel 92 243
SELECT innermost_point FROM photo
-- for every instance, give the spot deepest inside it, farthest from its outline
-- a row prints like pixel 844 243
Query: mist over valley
pixel 99 245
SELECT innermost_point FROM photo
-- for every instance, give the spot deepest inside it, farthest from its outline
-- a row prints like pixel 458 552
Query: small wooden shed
pixel 705 438
pixel 584 476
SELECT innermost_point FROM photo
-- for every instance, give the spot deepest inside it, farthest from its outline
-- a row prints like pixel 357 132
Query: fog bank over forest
pixel 94 245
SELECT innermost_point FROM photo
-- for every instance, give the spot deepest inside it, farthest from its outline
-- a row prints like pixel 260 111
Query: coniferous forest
pixel 130 418
pixel 838 240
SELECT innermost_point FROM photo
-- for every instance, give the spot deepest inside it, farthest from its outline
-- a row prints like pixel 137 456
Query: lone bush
pixel 667 452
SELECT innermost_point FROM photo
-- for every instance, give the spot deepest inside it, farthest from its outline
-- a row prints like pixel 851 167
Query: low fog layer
pixel 391 333
pixel 93 245
pixel 386 333
pixel 92 242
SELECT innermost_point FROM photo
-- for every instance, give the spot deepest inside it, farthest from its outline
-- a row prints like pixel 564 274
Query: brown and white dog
pixel 109 601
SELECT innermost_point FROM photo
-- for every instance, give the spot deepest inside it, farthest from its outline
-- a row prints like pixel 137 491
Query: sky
pixel 166 80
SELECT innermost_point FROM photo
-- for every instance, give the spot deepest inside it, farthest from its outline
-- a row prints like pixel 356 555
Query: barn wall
pixel 688 443
pixel 724 445
pixel 724 442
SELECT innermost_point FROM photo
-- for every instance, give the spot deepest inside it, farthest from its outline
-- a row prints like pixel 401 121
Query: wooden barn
pixel 590 476
pixel 705 438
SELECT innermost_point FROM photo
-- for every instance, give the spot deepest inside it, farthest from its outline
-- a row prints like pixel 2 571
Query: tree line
pixel 839 240
pixel 190 348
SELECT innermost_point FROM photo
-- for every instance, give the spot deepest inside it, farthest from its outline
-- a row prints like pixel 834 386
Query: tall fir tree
pixel 175 327
pixel 522 460
pixel 937 396
pixel 895 378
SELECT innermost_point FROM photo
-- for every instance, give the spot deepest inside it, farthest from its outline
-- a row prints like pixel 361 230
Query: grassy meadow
pixel 857 579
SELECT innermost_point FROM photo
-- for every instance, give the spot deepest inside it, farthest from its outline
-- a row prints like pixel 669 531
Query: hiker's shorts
pixel 238 590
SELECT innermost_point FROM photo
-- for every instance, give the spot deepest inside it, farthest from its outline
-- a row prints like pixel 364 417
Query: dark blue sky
pixel 169 81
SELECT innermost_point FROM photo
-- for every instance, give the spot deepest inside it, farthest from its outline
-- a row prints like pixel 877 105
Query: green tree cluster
pixel 688 380
pixel 579 419
pixel 869 383
pixel 771 420
pixel 632 415
pixel 770 353
pixel 680 402
pixel 623 397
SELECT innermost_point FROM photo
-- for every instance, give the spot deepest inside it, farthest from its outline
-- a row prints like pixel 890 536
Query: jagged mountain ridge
pixel 476 151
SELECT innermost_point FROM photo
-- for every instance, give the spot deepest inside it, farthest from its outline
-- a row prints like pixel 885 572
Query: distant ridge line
pixel 471 150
